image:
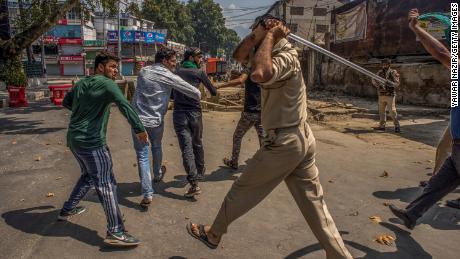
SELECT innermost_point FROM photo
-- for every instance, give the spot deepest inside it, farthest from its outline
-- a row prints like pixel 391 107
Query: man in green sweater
pixel 90 101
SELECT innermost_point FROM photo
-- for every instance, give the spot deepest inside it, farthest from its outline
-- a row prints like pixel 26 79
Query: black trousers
pixel 445 181
pixel 189 130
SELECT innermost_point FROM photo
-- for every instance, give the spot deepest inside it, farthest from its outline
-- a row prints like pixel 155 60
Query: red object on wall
pixel 58 92
pixel 64 41
pixel 17 96
pixel 211 65
pixel 62 22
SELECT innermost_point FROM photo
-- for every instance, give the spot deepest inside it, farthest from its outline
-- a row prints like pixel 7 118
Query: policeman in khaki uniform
pixel 288 152
pixel 387 95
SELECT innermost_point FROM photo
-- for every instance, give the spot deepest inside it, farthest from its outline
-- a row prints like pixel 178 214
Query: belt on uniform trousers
pixel 456 141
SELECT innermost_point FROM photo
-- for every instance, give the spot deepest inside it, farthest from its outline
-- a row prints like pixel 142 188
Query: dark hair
pixel 192 52
pixel 164 53
pixel 264 18
pixel 103 58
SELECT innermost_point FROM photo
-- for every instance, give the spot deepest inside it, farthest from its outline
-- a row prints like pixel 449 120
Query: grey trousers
pixel 445 181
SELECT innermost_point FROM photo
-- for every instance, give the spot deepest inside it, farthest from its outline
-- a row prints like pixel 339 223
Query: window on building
pixel 319 11
pixel 124 22
pixel 297 10
pixel 73 14
pixel 293 27
pixel 322 28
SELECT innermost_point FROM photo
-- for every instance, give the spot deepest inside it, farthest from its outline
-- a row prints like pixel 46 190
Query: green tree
pixel 171 15
pixel 36 18
pixel 209 25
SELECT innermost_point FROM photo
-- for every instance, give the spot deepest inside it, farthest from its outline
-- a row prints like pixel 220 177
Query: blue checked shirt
pixel 151 98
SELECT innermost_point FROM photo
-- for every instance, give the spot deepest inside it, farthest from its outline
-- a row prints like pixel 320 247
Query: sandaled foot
pixel 198 232
pixel 230 163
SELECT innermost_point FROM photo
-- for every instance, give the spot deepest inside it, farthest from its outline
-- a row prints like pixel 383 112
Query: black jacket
pixel 194 77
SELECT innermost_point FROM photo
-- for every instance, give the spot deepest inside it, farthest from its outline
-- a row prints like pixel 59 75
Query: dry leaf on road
pixel 22 199
pixel 385 239
pixel 14 142
pixel 59 178
pixel 375 219
pixel 386 204
pixel 37 158
pixel 50 194
pixel 135 165
pixel 385 174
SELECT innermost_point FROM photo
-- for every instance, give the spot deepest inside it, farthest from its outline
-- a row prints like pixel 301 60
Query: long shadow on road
pixel 406 247
pixel 428 133
pixel 42 221
pixel 442 218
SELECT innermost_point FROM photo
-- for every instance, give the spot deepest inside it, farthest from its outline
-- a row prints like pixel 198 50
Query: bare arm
pixel 431 44
pixel 235 82
pixel 262 63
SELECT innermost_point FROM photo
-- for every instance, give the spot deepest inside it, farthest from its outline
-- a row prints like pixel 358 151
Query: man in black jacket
pixel 188 120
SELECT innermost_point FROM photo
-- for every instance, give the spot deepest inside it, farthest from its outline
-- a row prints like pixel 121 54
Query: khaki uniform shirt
pixel 284 98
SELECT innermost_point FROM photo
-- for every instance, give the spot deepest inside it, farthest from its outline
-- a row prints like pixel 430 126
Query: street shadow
pixel 43 221
pixel 223 173
pixel 38 106
pixel 428 133
pixel 13 126
pixel 406 247
pixel 442 218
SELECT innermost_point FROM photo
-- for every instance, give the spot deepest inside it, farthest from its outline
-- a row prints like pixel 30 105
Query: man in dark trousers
pixel 90 101
pixel 250 117
pixel 188 120
pixel 447 178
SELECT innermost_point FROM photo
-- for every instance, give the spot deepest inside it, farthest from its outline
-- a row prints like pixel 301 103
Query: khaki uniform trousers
pixel 443 150
pixel 288 154
pixel 390 102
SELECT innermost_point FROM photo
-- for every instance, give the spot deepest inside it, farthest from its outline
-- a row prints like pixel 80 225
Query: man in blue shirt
pixel 154 85
pixel 448 177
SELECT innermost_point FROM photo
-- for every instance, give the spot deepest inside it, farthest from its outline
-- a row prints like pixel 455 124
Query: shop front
pixel 72 65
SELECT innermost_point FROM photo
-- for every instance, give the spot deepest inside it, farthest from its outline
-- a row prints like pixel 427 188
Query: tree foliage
pixel 36 18
pixel 195 23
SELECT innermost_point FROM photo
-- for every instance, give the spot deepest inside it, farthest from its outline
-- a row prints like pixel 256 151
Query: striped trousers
pixel 96 170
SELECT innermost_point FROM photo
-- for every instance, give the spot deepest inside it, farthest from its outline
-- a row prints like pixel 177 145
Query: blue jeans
pixel 143 159
pixel 96 170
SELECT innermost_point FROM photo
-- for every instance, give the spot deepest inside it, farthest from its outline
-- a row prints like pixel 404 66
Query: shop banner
pixel 149 37
pixel 70 59
pixel 127 36
pixel 112 36
pixel 159 38
pixel 139 36
pixel 64 41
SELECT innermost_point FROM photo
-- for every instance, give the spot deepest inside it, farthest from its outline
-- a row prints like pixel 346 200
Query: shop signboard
pixel 70 59
pixel 127 36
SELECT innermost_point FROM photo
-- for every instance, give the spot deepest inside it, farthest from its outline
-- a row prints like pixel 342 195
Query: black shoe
pixel 192 191
pixel 401 214
pixel 163 172
pixel 453 203
pixel 397 130
pixel 121 238
pixel 64 216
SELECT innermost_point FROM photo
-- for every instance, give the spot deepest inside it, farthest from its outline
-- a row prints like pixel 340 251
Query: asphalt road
pixel 350 164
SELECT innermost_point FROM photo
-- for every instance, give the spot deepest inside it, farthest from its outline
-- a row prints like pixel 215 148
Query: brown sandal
pixel 201 235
